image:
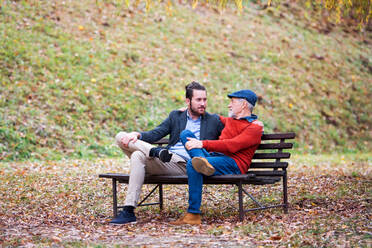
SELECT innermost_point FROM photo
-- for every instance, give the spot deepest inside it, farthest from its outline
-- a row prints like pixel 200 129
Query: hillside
pixel 74 73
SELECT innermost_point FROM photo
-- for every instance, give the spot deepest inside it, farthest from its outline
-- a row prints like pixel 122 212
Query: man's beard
pixel 195 111
pixel 231 114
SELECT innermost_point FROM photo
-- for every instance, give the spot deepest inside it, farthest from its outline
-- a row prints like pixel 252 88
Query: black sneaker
pixel 162 153
pixel 165 156
pixel 124 217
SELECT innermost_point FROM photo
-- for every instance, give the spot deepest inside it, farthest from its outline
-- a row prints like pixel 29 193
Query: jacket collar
pixel 250 118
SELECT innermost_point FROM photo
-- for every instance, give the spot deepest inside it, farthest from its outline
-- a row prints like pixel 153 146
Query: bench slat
pixel 262 180
pixel 160 178
pixel 182 179
pixel 275 146
pixel 271 155
pixel 275 173
pixel 274 136
pixel 265 180
pixel 269 165
pixel 161 142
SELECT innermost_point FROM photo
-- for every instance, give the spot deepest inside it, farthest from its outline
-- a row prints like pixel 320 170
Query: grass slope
pixel 74 73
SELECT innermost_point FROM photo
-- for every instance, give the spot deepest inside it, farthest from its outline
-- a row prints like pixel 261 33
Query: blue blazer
pixel 210 128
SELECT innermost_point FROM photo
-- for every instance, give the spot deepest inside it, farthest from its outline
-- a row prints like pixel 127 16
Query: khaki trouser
pixel 141 164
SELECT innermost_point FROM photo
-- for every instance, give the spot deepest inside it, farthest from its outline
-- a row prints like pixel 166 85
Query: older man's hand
pixel 193 143
pixel 133 136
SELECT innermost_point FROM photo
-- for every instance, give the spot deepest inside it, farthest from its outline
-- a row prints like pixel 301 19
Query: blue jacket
pixel 210 128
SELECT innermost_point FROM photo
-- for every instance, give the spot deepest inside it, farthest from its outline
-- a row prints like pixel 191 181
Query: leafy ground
pixel 74 73
pixel 64 204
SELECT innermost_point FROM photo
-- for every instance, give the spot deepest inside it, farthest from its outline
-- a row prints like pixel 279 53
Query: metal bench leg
pixel 114 198
pixel 161 196
pixel 240 193
pixel 285 193
pixel 253 199
pixel 149 194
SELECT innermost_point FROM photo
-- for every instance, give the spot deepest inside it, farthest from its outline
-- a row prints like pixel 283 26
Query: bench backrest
pixel 270 151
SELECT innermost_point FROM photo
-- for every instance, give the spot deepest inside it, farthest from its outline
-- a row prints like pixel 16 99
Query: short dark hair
pixel 191 87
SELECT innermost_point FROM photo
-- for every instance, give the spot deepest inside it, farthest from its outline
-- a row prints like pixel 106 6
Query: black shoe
pixel 124 217
pixel 162 153
pixel 165 156
pixel 154 152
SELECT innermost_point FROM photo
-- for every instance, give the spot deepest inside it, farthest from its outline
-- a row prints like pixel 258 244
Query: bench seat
pixel 224 179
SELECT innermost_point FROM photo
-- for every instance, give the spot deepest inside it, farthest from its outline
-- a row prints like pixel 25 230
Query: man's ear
pixel 187 102
pixel 245 104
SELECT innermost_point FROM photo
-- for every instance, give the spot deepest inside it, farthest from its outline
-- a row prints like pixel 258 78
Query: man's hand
pixel 133 136
pixel 193 143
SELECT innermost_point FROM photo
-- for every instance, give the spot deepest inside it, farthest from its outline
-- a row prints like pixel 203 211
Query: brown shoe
pixel 202 166
pixel 189 218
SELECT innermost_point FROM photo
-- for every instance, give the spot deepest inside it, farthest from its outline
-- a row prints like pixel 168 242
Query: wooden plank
pixel 223 179
pixel 275 146
pixel 271 155
pixel 269 165
pixel 265 180
pixel 114 175
pixel 161 142
pixel 274 136
pixel 269 173
pixel 161 178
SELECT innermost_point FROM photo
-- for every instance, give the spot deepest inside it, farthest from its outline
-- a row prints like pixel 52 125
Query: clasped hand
pixel 133 136
pixel 193 143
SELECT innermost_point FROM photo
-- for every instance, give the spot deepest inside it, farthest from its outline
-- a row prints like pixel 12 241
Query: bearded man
pixel 145 159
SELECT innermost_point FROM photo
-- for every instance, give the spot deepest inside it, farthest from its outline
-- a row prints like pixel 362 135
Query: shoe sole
pixel 133 222
pixel 202 166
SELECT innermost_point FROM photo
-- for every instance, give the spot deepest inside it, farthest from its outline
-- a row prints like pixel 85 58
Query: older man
pixel 230 154
pixel 144 160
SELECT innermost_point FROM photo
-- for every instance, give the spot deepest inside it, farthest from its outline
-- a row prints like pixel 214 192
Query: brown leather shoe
pixel 189 218
pixel 202 166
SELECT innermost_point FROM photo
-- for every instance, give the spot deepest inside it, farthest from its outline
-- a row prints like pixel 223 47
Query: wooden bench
pixel 267 167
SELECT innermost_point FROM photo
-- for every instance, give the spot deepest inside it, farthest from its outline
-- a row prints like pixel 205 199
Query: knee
pixel 184 135
pixel 186 132
pixel 119 136
pixel 137 156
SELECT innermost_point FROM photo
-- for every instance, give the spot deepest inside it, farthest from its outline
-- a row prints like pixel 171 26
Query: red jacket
pixel 238 140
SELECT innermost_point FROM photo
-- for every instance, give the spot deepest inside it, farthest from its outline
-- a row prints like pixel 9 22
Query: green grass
pixel 74 74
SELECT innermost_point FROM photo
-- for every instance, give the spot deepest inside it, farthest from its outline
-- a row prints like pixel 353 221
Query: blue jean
pixel 223 165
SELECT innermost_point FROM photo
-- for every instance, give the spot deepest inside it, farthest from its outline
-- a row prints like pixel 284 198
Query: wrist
pixel 137 134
